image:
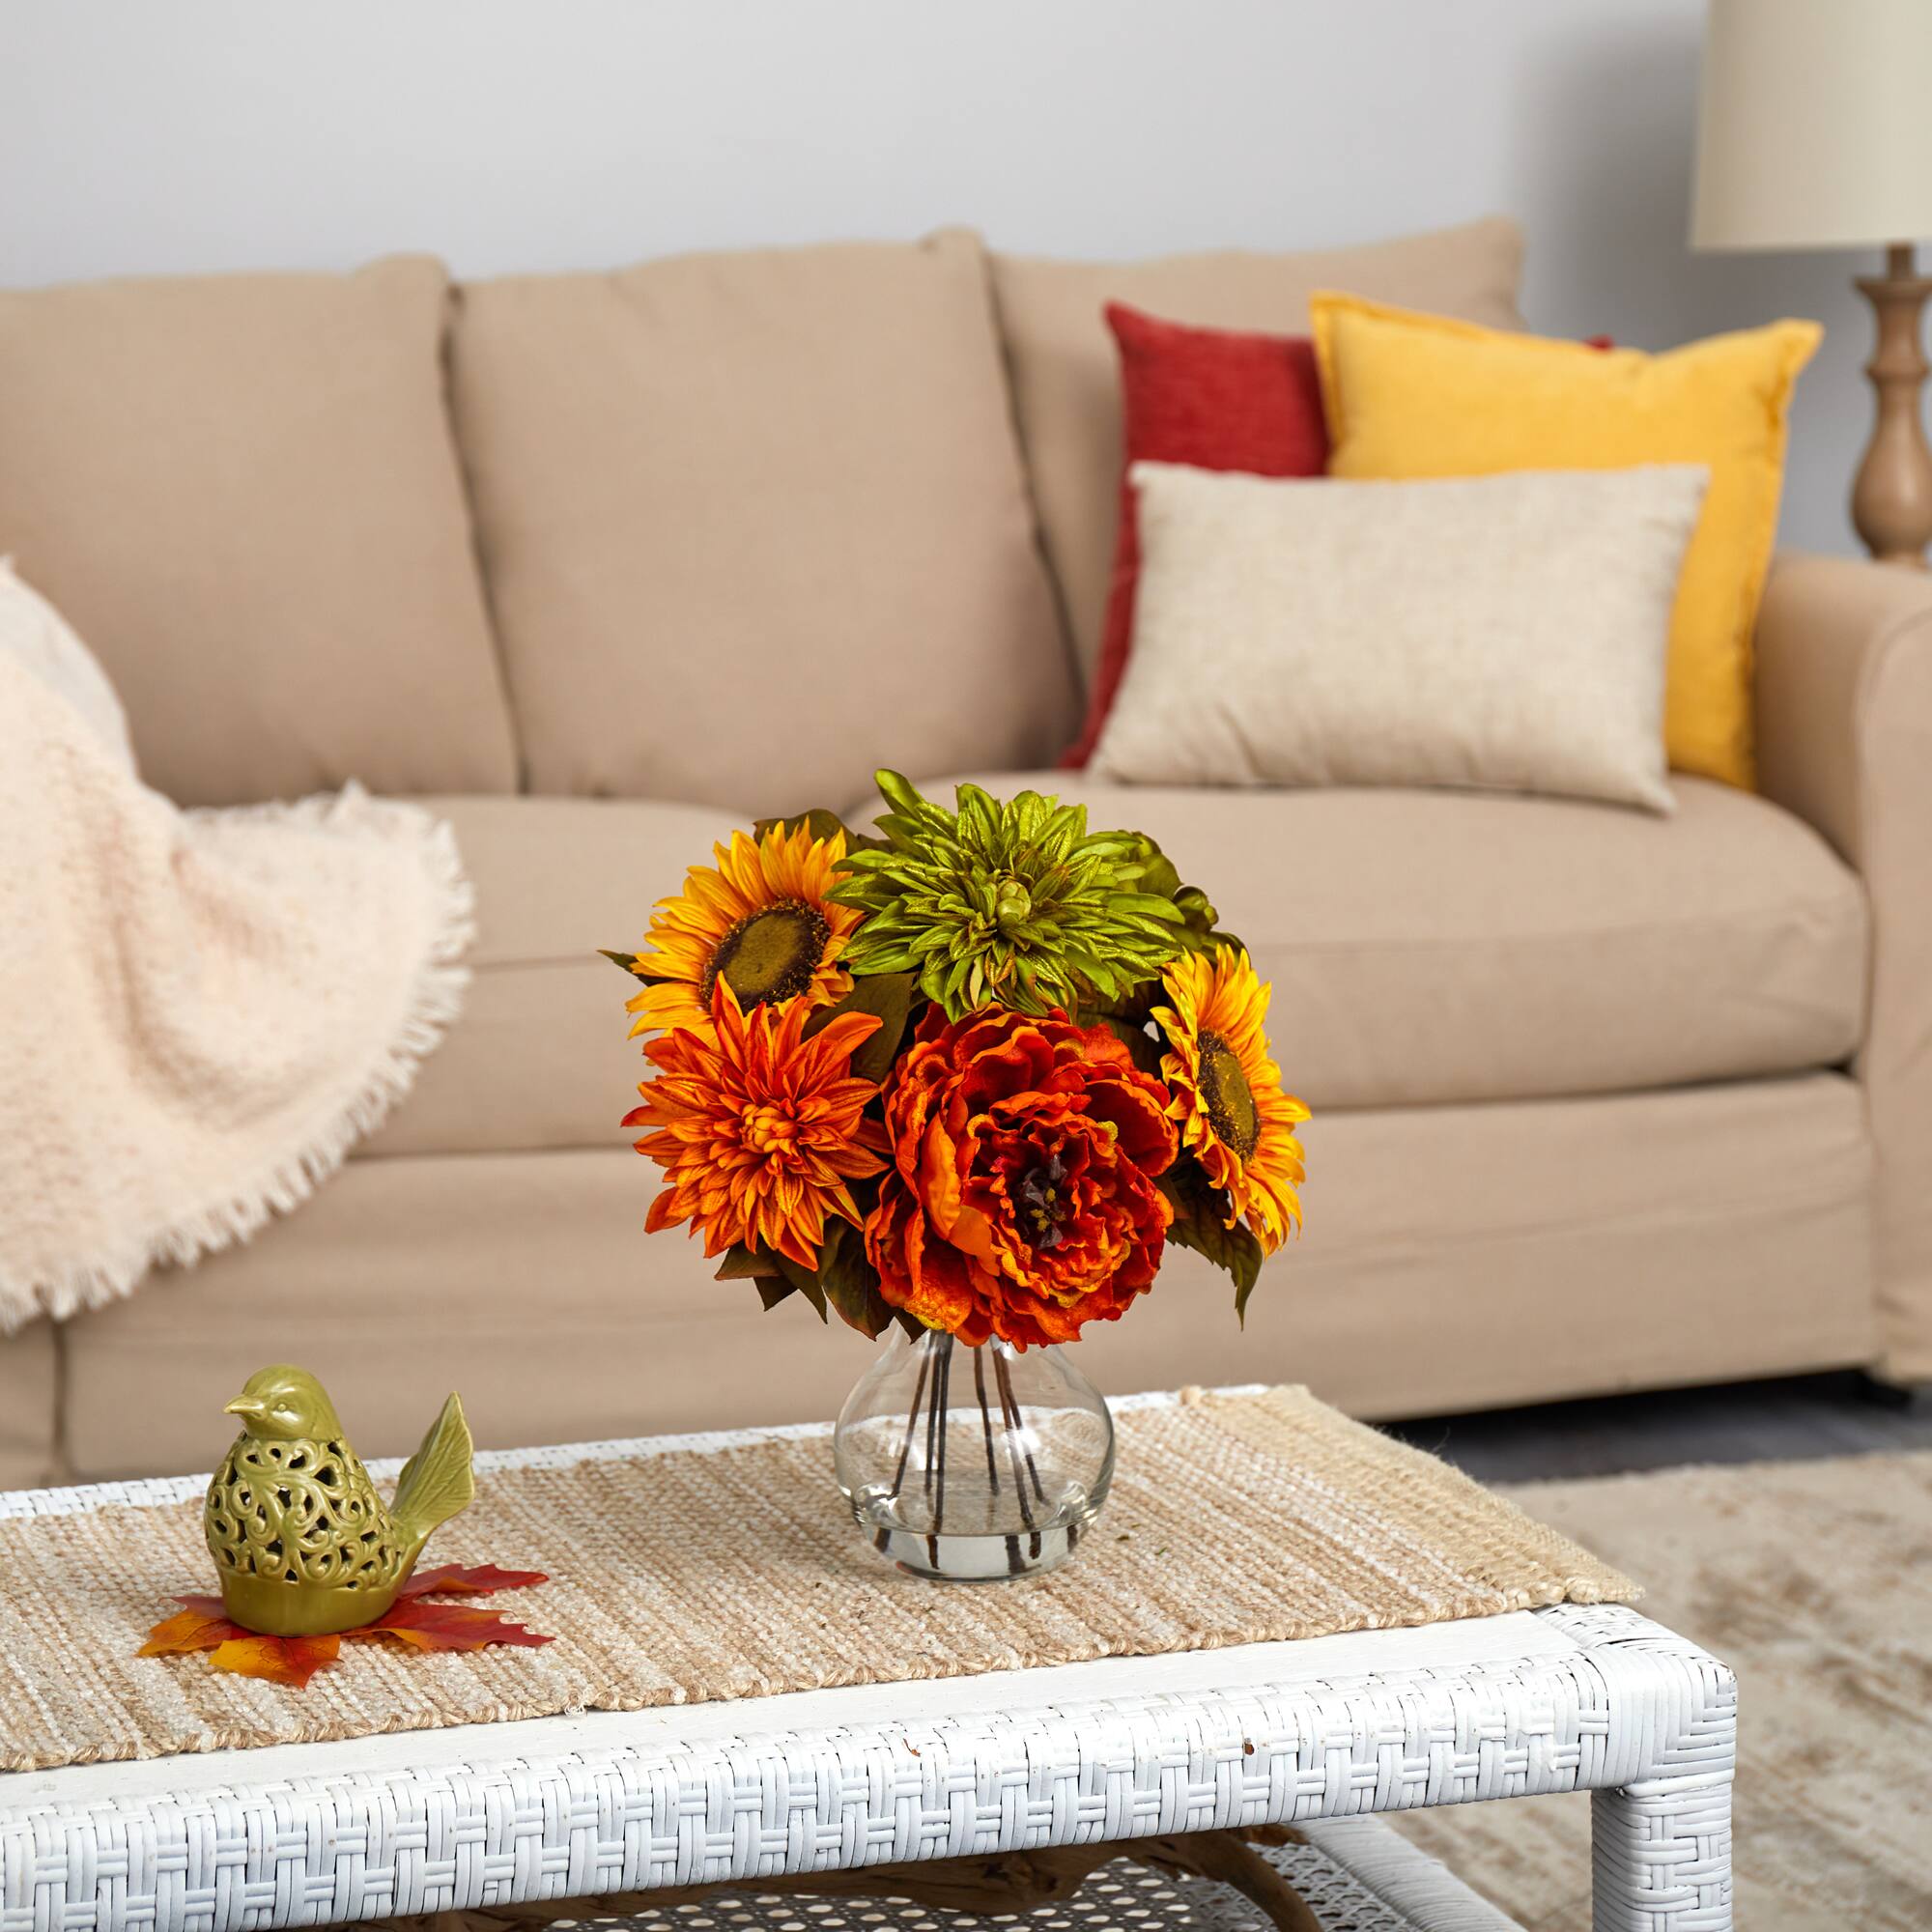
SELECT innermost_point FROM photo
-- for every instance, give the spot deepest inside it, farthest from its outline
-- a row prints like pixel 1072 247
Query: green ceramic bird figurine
pixel 303 1544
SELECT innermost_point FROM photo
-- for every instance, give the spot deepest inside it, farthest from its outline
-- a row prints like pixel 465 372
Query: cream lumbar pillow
pixel 1506 631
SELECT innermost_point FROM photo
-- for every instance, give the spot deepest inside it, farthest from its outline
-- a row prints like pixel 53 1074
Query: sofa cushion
pixel 30 1406
pixel 241 491
pixel 1429 946
pixel 539 1055
pixel 1067 387
pixel 1454 1258
pixel 1506 632
pixel 1423 945
pixel 1410 395
pixel 755 523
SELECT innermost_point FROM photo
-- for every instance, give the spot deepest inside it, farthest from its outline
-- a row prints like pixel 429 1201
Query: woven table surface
pixel 684 1574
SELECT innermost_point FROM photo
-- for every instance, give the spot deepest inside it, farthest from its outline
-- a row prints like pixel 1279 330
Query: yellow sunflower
pixel 759 921
pixel 1227 1094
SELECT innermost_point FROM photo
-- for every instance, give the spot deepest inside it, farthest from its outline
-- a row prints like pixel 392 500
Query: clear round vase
pixel 972 1464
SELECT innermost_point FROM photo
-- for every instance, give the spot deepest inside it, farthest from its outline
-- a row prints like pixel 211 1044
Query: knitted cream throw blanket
pixel 199 1011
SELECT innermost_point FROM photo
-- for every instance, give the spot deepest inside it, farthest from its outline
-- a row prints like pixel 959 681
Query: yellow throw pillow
pixel 1414 395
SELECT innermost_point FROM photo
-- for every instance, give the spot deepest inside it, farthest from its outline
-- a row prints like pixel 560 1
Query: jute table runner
pixel 686 1575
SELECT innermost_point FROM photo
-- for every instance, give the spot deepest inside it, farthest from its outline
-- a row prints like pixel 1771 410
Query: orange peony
pixel 1021 1201
pixel 759 1129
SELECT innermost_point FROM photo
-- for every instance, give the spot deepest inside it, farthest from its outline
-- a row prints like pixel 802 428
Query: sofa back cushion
pixel 241 491
pixel 1066 386
pixel 756 523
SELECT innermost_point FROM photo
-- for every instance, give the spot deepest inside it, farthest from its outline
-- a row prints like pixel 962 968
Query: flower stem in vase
pixel 942 1416
pixel 1011 1404
pixel 1016 1505
pixel 986 1421
pixel 911 1428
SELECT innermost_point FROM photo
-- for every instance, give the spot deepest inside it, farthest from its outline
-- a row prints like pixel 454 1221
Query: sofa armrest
pixel 1844 697
pixel 1844 722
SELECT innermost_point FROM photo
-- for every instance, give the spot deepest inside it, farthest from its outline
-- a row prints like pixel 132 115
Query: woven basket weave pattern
pixel 1626 1710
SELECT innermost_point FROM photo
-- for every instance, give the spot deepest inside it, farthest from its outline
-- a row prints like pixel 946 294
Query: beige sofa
pixel 604 564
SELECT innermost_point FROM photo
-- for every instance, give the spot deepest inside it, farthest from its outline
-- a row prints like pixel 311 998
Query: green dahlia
pixel 1012 903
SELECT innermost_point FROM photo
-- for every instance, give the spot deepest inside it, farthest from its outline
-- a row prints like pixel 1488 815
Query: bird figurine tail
pixel 437 1481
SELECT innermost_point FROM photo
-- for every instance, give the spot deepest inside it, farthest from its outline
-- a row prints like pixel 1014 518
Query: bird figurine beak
pixel 243 1404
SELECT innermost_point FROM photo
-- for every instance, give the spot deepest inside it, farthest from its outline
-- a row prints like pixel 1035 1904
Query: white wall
pixel 152 135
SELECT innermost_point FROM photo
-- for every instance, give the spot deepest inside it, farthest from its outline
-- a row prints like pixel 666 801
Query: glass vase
pixel 971 1464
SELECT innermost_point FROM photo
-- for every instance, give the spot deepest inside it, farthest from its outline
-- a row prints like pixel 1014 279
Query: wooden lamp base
pixel 1891 500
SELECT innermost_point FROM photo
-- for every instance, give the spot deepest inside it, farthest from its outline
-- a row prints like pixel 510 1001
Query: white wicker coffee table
pixel 505 1816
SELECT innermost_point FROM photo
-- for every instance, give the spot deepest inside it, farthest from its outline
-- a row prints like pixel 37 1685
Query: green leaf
pixel 888 996
pixel 851 1282
pixel 1139 1042
pixel 805 1281
pixel 1197 909
pixel 844 1280
pixel 762 1269
pixel 1199 1223
pixel 821 823
pixel 1245 1275
pixel 1159 873
pixel 897 791
pixel 1136 1003
pixel 743 1263
pixel 627 960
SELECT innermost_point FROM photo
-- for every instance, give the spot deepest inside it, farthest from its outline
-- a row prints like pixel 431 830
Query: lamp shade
pixel 1814 128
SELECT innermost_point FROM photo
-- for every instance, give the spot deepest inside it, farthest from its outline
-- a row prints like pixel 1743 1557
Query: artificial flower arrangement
pixel 969 1073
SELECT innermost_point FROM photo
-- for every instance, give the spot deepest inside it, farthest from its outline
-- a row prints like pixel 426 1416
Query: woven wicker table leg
pixel 1661 1858
pixel 1007 1881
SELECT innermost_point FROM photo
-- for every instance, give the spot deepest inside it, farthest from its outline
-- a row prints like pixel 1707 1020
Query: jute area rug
pixel 1814 1582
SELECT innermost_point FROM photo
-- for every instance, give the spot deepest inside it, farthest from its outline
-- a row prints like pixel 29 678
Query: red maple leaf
pixel 453 1579
pixel 203 1624
pixel 445 1627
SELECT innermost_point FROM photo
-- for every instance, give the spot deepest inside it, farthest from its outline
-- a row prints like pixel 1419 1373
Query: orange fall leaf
pixel 280 1660
pixel 203 1624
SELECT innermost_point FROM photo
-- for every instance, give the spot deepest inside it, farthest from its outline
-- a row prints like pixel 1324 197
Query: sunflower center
pixel 1227 1097
pixel 769 955
pixel 1041 1202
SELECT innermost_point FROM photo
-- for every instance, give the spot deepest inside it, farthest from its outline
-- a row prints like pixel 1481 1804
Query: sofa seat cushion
pixel 1439 946
pixel 1423 945
pixel 242 493
pixel 751 521
pixel 1454 1258
pixel 539 1057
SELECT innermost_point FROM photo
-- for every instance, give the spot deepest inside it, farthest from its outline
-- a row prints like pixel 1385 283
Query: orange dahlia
pixel 759 1131
pixel 759 921
pixel 1227 1094
pixel 1021 1199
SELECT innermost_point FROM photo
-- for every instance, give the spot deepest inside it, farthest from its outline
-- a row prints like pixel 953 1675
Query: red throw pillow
pixel 1217 399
